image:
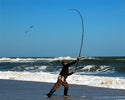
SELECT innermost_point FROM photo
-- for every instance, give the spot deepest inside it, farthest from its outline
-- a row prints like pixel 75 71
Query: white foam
pixel 88 67
pixel 96 81
pixel 36 67
pixel 121 59
pixel 102 68
pixel 42 67
pixel 89 58
pixel 34 59
pixel 28 76
pixel 64 58
pixel 16 59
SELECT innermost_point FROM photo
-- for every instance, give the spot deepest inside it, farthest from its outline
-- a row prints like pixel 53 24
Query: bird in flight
pixel 29 29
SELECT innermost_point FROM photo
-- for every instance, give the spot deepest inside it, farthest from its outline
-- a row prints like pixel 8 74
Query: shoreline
pixel 29 90
pixel 89 80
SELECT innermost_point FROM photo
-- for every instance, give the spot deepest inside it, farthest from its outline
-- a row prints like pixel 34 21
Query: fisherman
pixel 62 78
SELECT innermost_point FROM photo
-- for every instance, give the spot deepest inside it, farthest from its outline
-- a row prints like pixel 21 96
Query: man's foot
pixel 65 96
pixel 49 95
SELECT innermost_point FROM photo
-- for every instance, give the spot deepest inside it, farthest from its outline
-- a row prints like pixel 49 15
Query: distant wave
pixel 95 68
pixel 34 59
pixel 122 59
pixel 13 59
pixel 91 65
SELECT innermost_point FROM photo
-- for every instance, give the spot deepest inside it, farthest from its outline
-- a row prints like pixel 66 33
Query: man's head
pixel 64 63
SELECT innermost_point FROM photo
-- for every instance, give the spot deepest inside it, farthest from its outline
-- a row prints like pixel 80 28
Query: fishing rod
pixel 82 33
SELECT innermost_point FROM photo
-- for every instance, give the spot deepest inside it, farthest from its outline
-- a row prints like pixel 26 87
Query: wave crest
pixel 35 59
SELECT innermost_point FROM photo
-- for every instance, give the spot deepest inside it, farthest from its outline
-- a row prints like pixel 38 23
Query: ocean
pixel 106 72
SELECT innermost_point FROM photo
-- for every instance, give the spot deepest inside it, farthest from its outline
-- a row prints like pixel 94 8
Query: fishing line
pixel 82 32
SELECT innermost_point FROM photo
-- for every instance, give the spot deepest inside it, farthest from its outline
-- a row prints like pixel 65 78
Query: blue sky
pixel 57 31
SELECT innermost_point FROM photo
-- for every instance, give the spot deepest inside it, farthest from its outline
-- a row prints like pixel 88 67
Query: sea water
pixel 106 72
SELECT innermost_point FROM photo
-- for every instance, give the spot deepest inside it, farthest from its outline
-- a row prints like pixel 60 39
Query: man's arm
pixel 72 72
pixel 69 64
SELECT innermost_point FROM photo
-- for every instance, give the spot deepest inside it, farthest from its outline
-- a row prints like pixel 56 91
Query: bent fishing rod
pixel 82 33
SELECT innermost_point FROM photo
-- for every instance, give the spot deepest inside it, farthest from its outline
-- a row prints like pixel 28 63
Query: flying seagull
pixel 29 29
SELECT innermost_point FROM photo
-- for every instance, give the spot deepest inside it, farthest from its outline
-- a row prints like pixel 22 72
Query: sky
pixel 57 30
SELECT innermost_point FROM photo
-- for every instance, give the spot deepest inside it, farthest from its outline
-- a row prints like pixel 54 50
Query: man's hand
pixel 74 71
pixel 78 58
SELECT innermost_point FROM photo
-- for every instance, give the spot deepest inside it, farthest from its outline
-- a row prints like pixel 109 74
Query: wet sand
pixel 26 90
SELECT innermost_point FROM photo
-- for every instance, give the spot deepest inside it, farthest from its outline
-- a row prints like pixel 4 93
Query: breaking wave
pixel 34 59
pixel 96 81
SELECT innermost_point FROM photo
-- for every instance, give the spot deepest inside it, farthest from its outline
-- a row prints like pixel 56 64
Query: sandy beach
pixel 27 90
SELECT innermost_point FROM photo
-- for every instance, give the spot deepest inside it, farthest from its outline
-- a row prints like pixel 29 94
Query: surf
pixel 95 81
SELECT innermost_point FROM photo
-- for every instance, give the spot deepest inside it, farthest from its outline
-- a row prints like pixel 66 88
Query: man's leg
pixel 66 87
pixel 55 87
